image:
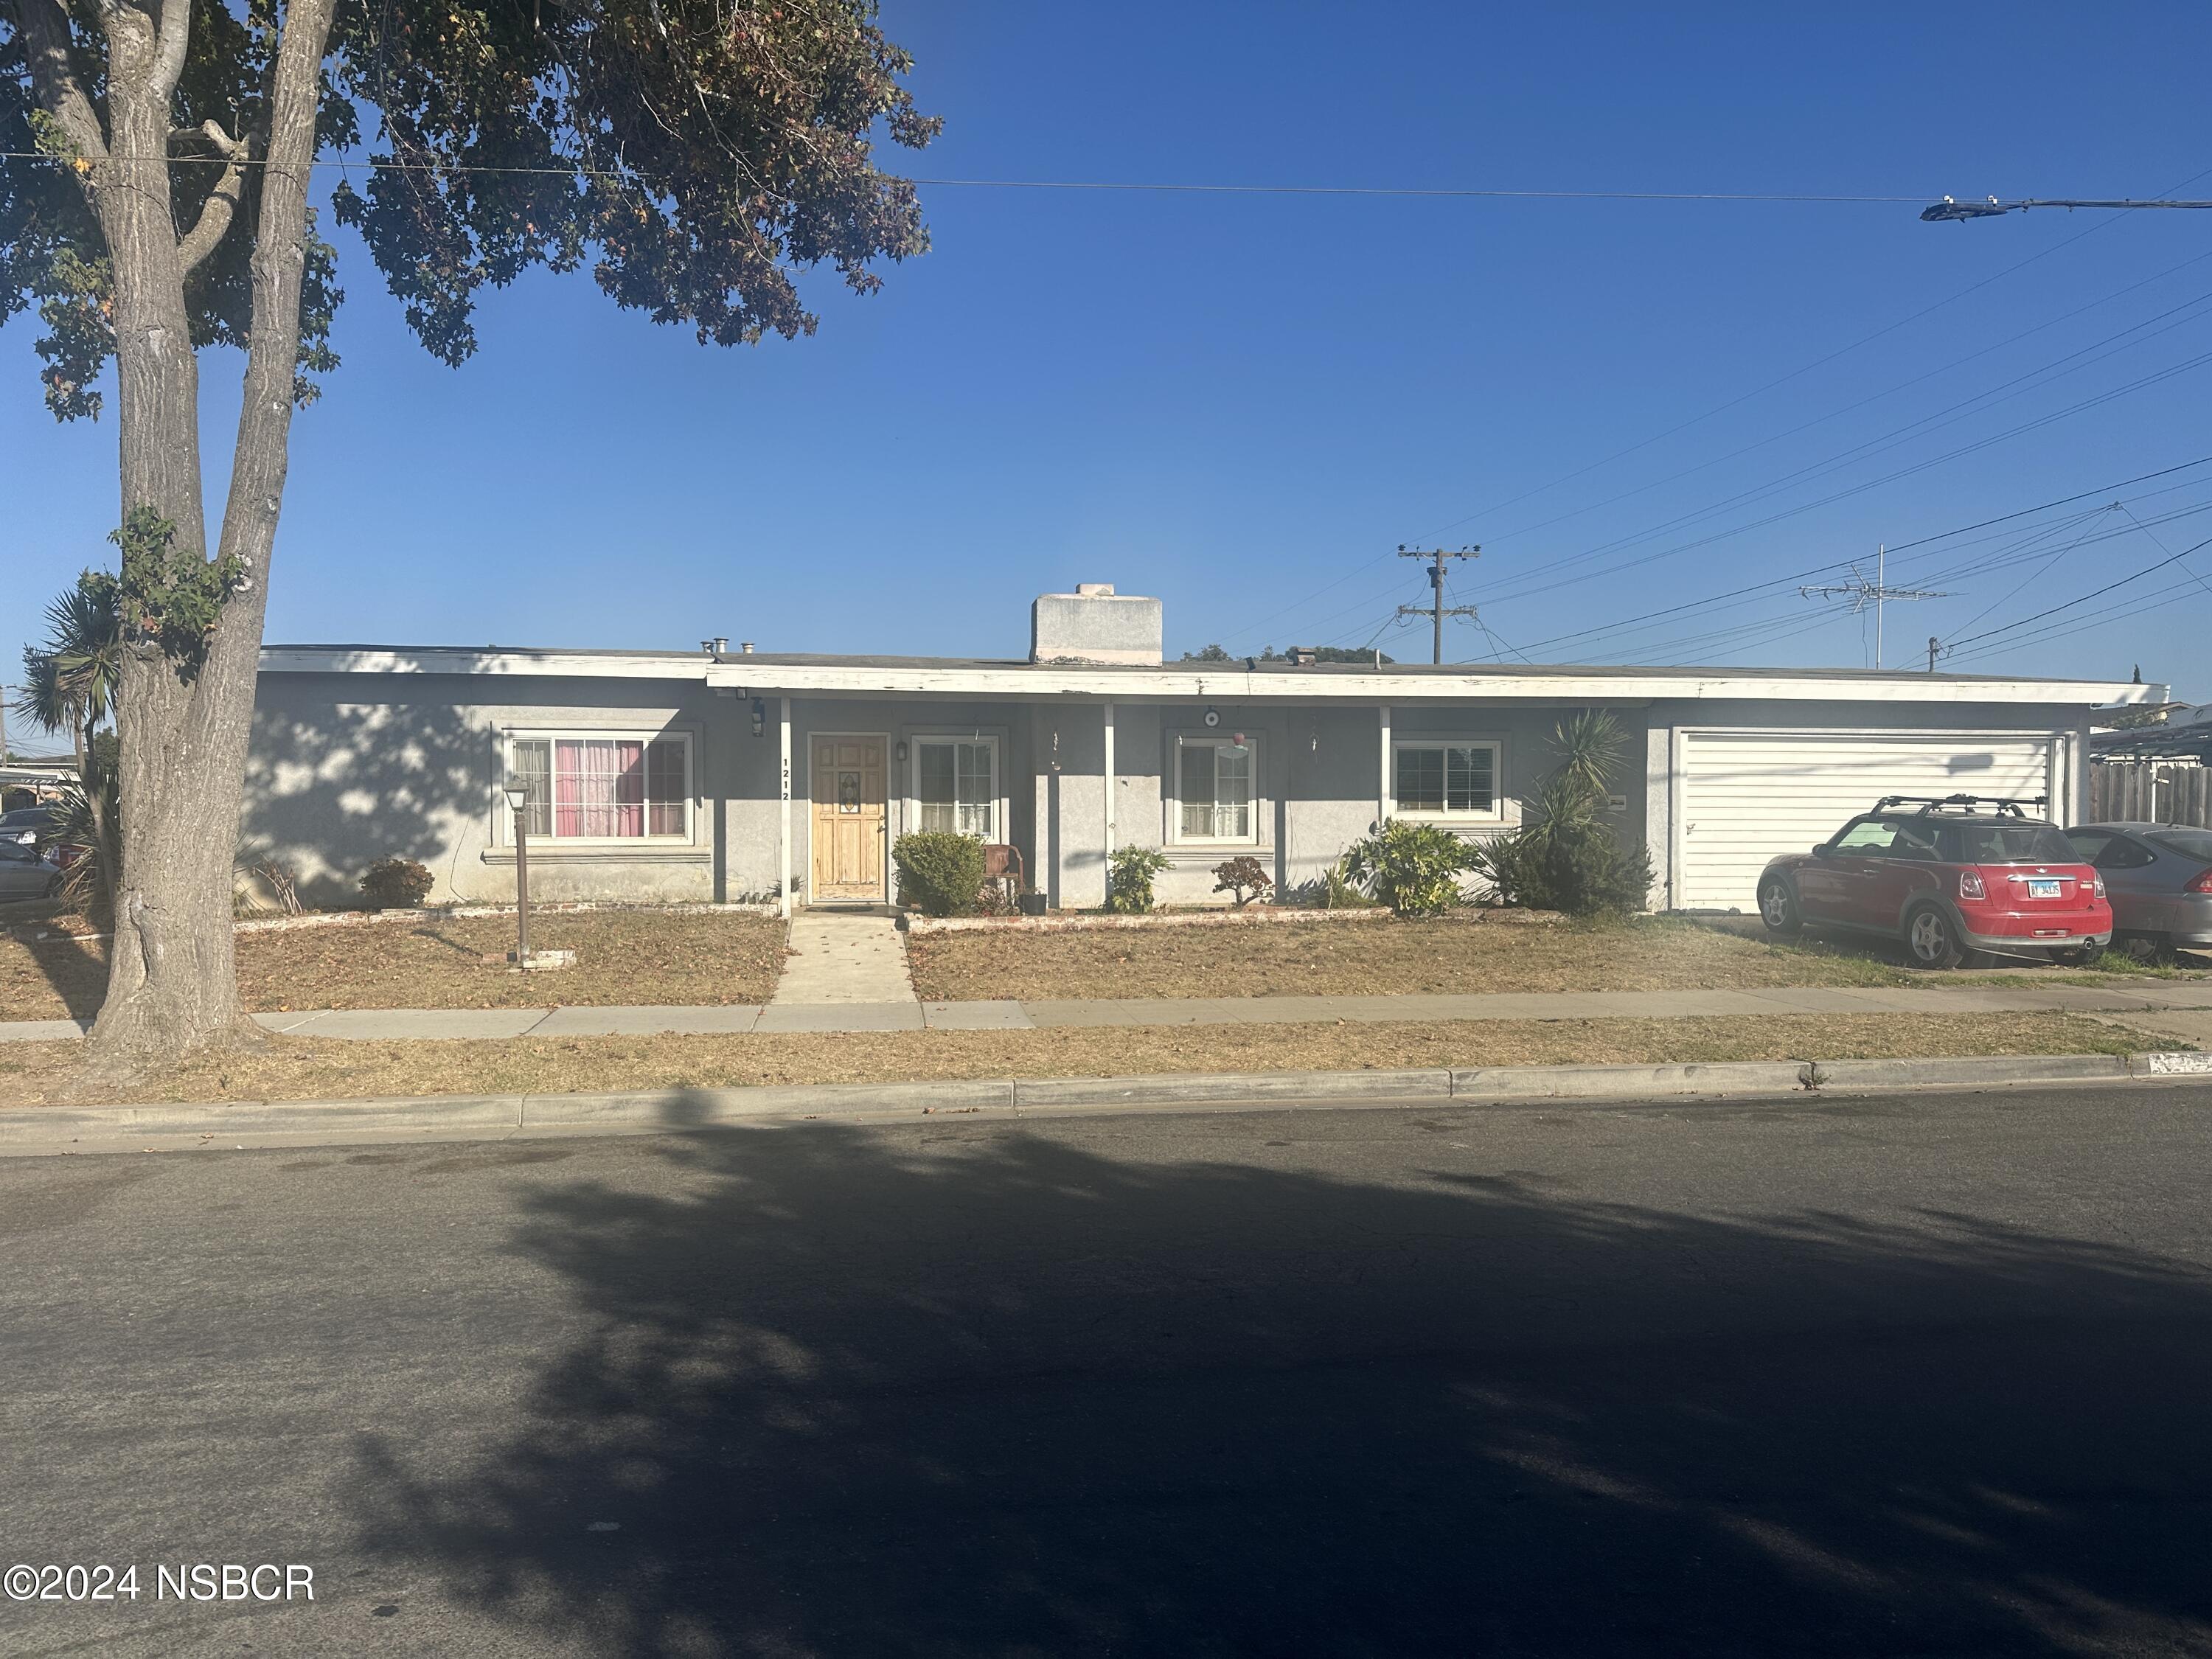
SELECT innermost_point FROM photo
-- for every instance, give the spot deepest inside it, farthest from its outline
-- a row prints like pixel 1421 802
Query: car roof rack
pixel 2004 806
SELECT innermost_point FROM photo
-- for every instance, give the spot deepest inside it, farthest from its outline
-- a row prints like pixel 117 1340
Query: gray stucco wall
pixel 346 769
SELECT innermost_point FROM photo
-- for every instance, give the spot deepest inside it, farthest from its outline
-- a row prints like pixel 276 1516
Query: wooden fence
pixel 2150 792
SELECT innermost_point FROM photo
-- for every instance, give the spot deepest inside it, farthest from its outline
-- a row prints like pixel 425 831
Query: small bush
pixel 395 884
pixel 1574 863
pixel 1129 875
pixel 1415 868
pixel 1335 889
pixel 939 873
pixel 1243 879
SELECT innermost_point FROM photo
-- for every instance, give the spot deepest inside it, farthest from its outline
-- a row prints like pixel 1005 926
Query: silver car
pixel 2159 877
pixel 25 873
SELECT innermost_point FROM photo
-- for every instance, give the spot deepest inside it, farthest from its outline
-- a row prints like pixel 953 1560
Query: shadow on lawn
pixel 75 969
pixel 997 1395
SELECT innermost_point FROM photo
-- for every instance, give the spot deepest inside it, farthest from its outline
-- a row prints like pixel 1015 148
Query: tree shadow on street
pixel 840 1392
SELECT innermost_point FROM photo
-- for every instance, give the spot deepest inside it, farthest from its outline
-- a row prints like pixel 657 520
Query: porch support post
pixel 1107 816
pixel 783 821
pixel 1382 765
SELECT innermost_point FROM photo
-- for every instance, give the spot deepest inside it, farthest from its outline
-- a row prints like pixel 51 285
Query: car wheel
pixel 1930 940
pixel 1777 909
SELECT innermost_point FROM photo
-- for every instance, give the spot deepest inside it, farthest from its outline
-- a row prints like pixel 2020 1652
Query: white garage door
pixel 1748 795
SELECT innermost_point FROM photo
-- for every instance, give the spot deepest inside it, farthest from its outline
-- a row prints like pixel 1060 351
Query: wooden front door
pixel 847 785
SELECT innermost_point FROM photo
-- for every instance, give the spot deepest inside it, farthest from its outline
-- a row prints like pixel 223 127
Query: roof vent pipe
pixel 745 646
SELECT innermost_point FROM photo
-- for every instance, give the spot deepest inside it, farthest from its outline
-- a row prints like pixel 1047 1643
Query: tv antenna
pixel 1863 594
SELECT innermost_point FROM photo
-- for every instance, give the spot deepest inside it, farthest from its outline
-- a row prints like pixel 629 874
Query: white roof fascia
pixel 1020 680
pixel 1593 684
pixel 462 659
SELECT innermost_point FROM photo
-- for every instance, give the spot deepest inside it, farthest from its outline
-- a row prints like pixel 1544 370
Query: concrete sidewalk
pixel 2160 998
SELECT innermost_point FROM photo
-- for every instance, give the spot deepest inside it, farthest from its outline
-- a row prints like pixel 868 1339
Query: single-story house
pixel 727 776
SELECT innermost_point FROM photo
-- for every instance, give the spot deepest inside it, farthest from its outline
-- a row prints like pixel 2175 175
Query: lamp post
pixel 518 798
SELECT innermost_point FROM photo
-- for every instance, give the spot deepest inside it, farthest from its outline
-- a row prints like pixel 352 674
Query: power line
pixel 1923 541
pixel 2171 558
pixel 1138 186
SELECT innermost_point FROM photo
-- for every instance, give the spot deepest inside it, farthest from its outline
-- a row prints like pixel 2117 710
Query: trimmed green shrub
pixel 939 873
pixel 1243 879
pixel 1129 875
pixel 395 884
pixel 1415 868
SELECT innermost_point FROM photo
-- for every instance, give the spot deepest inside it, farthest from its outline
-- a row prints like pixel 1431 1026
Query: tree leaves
pixel 694 153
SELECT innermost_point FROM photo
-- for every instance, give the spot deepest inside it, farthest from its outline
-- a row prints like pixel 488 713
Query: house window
pixel 1214 789
pixel 604 789
pixel 956 786
pixel 1445 780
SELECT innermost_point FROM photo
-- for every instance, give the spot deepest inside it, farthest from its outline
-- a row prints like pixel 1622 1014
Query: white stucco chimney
pixel 1095 624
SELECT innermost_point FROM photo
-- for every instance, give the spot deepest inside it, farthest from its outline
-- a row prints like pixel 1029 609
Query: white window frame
pixel 1171 793
pixel 510 737
pixel 1000 805
pixel 1399 743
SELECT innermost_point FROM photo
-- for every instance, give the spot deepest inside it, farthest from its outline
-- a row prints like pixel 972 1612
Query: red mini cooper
pixel 1947 877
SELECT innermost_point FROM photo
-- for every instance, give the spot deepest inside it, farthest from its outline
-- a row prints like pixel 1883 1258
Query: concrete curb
pixel 1171 1089
pixel 664 1111
pixel 1744 1077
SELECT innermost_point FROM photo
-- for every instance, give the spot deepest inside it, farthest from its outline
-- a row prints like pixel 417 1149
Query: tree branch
pixel 221 208
pixel 176 33
pixel 53 74
pixel 279 266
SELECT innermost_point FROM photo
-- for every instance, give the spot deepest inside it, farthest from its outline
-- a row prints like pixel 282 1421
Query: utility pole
pixel 1863 594
pixel 1935 649
pixel 1436 610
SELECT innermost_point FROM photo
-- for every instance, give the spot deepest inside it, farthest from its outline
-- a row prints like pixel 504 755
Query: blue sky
pixel 1243 404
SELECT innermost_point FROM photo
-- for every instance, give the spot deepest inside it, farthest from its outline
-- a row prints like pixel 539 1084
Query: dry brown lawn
pixel 622 956
pixel 297 1069
pixel 1452 954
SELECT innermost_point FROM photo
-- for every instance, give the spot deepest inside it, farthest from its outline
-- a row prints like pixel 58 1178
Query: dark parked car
pixel 27 824
pixel 2159 876
pixel 1946 878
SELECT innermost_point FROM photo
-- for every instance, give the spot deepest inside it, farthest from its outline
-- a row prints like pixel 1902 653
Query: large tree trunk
pixel 184 724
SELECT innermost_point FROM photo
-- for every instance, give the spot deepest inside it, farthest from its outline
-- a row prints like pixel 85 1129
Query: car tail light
pixel 2097 883
pixel 2202 885
pixel 1970 884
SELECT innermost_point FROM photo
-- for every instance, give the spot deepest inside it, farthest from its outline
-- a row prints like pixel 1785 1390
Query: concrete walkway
pixel 2182 1006
pixel 847 972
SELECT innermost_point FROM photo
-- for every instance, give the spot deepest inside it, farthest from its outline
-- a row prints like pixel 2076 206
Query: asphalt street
pixel 1920 1374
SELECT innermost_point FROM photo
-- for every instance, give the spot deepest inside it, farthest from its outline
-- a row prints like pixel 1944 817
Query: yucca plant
pixel 72 680
pixel 1567 856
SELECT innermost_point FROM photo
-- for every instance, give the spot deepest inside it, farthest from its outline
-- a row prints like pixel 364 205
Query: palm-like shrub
pixel 1567 856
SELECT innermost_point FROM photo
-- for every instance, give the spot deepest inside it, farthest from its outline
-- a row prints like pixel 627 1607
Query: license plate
pixel 2043 887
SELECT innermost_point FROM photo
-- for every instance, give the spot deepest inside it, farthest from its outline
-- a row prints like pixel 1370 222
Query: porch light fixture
pixel 898 753
pixel 1213 717
pixel 517 791
pixel 760 716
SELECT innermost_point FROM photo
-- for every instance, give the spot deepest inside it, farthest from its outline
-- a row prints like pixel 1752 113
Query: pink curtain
pixel 599 787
